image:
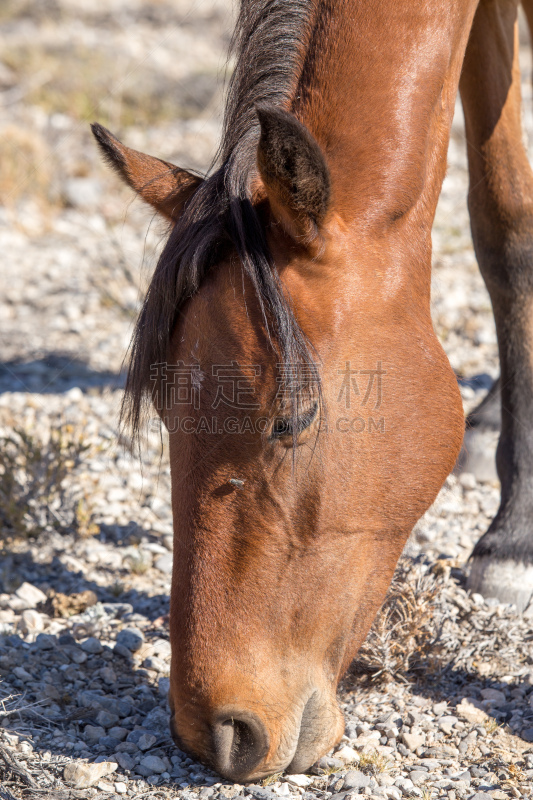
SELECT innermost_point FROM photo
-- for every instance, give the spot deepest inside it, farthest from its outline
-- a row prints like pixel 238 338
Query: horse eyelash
pixel 283 426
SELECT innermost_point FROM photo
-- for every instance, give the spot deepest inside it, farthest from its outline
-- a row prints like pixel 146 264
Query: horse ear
pixel 159 183
pixel 294 172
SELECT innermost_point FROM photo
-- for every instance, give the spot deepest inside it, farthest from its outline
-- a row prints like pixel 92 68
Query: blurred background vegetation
pixel 150 70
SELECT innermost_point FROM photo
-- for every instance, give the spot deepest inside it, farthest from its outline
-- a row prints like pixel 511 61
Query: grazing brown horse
pixel 287 344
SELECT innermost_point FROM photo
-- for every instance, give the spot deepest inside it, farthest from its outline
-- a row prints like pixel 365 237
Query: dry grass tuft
pixel 25 167
pixel 407 628
pixel 374 763
pixel 271 779
pixel 34 494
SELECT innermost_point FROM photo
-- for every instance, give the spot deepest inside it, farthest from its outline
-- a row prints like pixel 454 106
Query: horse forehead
pixel 221 321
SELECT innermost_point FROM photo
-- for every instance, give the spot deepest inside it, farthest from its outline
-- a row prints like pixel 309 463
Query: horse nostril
pixel 240 743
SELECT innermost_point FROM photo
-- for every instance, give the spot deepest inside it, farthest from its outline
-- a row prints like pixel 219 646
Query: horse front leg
pixel 501 211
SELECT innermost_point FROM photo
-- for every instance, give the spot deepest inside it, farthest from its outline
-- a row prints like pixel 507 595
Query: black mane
pixel 270 42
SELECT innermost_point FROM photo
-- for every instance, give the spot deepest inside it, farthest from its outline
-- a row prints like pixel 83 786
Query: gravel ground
pixel 440 703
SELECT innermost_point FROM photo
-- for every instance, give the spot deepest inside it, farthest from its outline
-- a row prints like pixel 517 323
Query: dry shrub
pixel 406 631
pixel 25 166
pixel 67 605
pixel 374 763
pixel 34 492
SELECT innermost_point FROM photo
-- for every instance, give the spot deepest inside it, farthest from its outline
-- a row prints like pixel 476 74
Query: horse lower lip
pixel 305 752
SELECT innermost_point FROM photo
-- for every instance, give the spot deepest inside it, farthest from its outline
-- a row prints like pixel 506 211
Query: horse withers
pixel 287 344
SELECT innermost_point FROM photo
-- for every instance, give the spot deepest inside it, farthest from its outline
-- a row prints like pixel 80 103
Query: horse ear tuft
pixel 163 185
pixel 293 169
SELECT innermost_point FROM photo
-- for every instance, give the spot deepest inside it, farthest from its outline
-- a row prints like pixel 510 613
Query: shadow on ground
pixel 55 373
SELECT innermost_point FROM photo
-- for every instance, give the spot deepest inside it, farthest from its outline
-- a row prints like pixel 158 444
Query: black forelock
pixel 269 42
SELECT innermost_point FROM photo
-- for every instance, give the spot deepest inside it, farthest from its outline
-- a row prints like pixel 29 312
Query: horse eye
pixel 283 427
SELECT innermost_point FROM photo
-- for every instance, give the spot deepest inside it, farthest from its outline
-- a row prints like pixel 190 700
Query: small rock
pixel 418 776
pixel 121 787
pixel 45 641
pixel 51 692
pixel 30 595
pixel 446 724
pixel 122 651
pixel 109 675
pixel 109 743
pixel 527 734
pixel 413 740
pixel 367 740
pixel 118 732
pixel 81 776
pixel 260 793
pixel 118 609
pixel 481 796
pixel 493 696
pixel 157 721
pixel 92 645
pixel 335 783
pixel 299 780
pixel 22 674
pixel 126 747
pixel 429 763
pixel 478 772
pixel 156 664
pixel 164 564
pixel 405 785
pixel 355 779
pixel 179 772
pixel 106 719
pixel 90 699
pixel 469 710
pixel 131 638
pixel 347 754
pixel 31 622
pixel 75 654
pixel 93 733
pixel 134 736
pixel 125 760
pixel 7 616
pixel 154 763
pixel 104 786
pixel 467 480
pixel 393 792
pixel 146 741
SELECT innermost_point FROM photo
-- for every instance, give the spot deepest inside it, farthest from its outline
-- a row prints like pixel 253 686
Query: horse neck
pixel 378 89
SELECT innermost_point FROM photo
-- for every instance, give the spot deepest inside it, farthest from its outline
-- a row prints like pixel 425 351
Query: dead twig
pixel 16 768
